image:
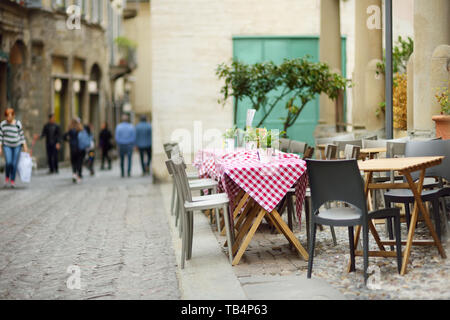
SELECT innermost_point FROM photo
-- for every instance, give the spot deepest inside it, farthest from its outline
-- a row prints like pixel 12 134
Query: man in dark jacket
pixel 52 134
pixel 105 145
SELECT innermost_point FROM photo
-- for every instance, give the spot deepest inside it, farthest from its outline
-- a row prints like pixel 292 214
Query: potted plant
pixel 251 138
pixel 443 120
pixel 229 137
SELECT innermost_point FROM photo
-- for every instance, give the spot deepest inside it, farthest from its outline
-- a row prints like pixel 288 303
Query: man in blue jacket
pixel 144 143
pixel 125 138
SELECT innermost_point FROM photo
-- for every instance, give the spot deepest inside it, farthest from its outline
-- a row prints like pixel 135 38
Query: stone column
pixel 431 29
pixel 410 95
pixel 330 53
pixel 368 51
pixel 440 74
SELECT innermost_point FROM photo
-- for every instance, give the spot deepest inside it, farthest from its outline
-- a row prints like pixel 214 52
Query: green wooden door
pixel 259 49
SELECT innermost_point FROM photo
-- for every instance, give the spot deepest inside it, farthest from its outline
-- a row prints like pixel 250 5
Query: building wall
pixel 138 29
pixel 189 40
pixel 46 40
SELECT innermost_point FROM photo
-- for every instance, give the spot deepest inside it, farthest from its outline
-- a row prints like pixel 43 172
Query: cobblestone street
pixel 113 229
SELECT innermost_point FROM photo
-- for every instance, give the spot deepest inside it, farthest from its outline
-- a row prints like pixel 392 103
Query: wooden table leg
pixel 245 227
pixel 248 237
pixel 418 205
pixel 288 234
pixel 239 207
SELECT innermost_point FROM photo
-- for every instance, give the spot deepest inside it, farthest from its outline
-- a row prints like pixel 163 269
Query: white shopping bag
pixel 25 167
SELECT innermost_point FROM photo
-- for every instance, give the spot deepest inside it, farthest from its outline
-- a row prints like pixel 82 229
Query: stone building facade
pixel 56 61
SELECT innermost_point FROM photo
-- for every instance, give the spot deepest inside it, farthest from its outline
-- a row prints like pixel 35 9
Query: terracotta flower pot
pixel 442 126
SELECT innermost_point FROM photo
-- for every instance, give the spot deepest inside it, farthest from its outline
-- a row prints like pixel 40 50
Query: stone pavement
pixel 114 230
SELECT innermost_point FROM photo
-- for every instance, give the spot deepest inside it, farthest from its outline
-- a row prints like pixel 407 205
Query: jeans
pixel 145 164
pixel 52 156
pixel 125 150
pixel 12 159
pixel 76 158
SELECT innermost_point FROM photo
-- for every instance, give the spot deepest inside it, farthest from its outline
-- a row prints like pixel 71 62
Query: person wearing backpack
pixel 11 141
pixel 76 155
pixel 125 136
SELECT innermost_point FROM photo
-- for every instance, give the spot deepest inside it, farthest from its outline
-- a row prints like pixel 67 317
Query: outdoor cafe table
pixel 371 152
pixel 255 188
pixel 405 166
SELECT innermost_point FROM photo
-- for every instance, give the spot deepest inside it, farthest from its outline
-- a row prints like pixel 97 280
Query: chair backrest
pixel 168 147
pixel 431 148
pixel 338 180
pixel 284 144
pixel 181 179
pixel 374 143
pixel 297 147
pixel 350 136
pixel 330 151
pixel 395 149
pixel 352 152
pixel 342 143
pixel 308 153
pixel 372 137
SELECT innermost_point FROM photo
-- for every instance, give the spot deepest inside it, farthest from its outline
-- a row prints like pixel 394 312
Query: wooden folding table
pixel 405 166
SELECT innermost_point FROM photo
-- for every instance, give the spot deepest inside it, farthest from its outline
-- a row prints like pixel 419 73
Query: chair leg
pixel 366 251
pixel 351 238
pixel 389 230
pixel 311 249
pixel 308 218
pixel 226 218
pixel 217 219
pixel 190 233
pixel 333 235
pixel 172 199
pixel 437 217
pixel 398 242
pixel 408 215
pixel 290 211
pixel 183 240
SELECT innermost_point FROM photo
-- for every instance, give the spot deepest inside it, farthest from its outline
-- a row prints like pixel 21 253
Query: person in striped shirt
pixel 11 141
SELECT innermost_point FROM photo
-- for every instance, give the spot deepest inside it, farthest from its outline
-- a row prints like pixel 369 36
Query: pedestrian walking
pixel 90 152
pixel 76 154
pixel 52 134
pixel 144 143
pixel 105 145
pixel 125 136
pixel 11 141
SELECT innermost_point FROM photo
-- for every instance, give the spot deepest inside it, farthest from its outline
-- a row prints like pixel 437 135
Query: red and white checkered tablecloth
pixel 267 183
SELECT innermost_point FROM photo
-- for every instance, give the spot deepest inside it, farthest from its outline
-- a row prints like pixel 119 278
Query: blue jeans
pixel 125 150
pixel 12 159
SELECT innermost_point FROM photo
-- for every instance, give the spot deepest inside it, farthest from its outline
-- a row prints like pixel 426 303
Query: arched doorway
pixel 94 97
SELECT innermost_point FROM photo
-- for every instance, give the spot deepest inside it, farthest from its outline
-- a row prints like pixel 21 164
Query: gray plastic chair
pixel 284 144
pixel 297 147
pixel 341 145
pixel 189 204
pixel 374 143
pixel 352 152
pixel 330 151
pixel 422 149
pixel 340 180
pixel 342 137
